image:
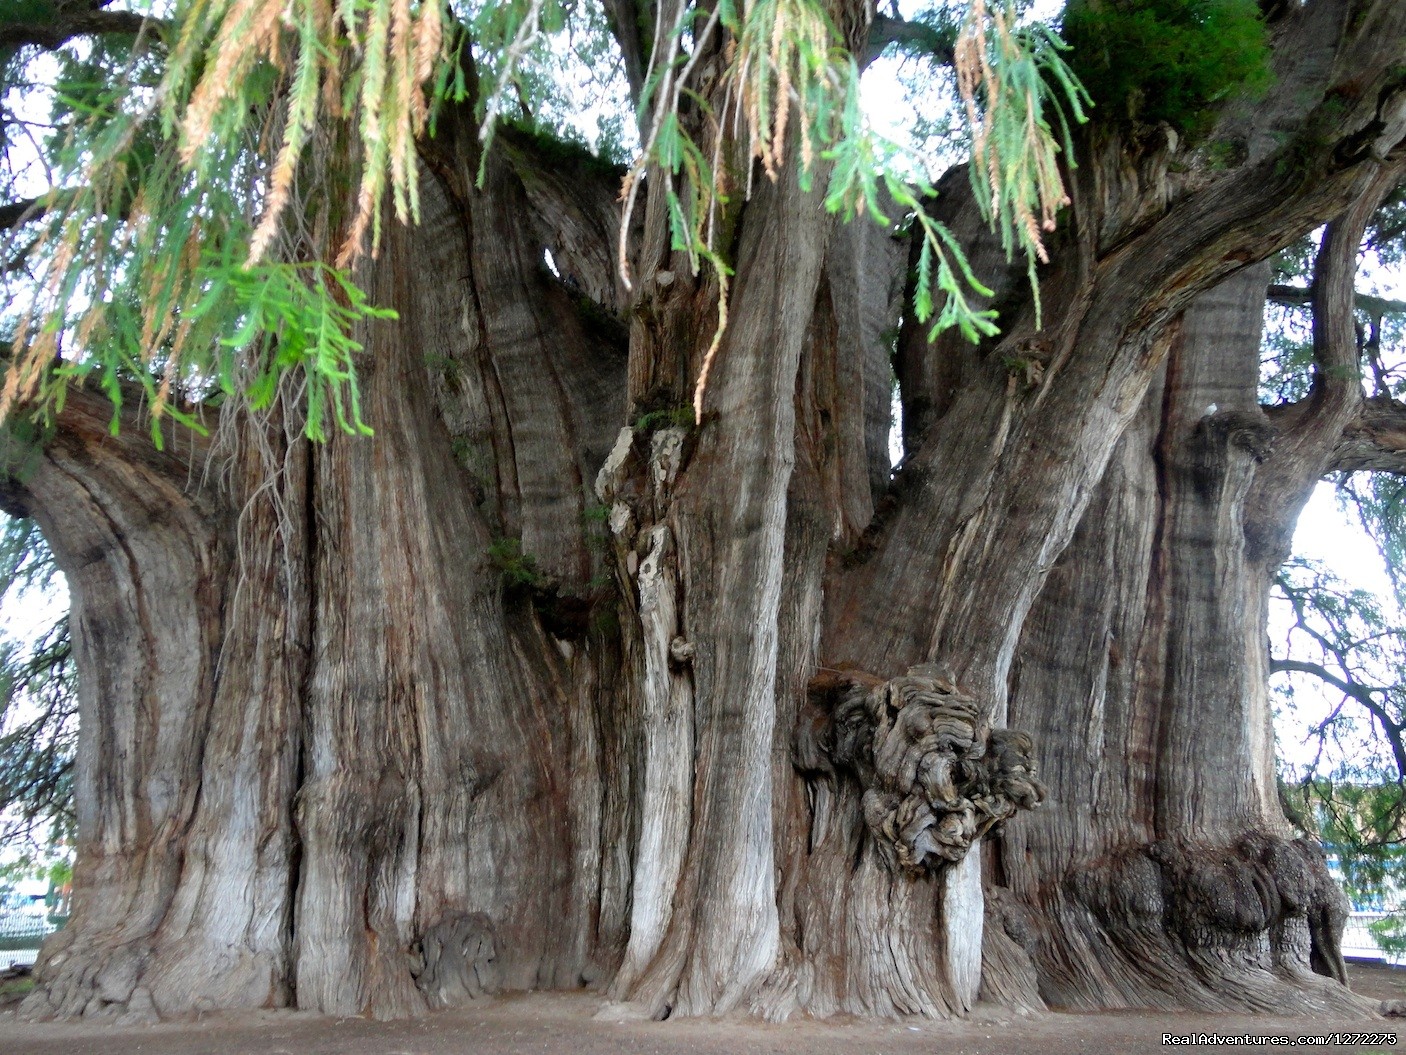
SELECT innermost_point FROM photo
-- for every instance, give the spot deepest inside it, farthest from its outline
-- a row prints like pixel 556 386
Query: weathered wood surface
pixel 531 689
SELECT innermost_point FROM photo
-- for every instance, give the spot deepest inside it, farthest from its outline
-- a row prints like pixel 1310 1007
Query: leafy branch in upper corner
pixel 371 59
pixel 1010 78
pixel 209 194
pixel 165 253
pixel 1191 55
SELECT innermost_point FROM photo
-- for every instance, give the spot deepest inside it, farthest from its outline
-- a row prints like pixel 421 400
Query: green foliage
pixel 447 366
pixel 1011 80
pixel 664 418
pixel 294 318
pixel 361 64
pixel 1378 500
pixel 595 525
pixel 563 150
pixel 1350 640
pixel 38 704
pixel 1168 60
pixel 931 34
pixel 24 451
pixel 789 81
pixel 541 73
pixel 865 164
pixel 166 261
pixel 1361 823
pixel 1386 234
pixel 143 267
pixel 15 988
pixel 1390 933
pixel 1287 366
pixel 519 569
pixel 1352 794
pixel 1222 154
pixel 1286 358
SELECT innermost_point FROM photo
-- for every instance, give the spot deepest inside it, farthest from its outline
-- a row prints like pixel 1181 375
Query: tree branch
pixel 1305 441
pixel 1374 440
pixel 1373 306
pixel 1351 689
pixel 576 210
pixel 1336 389
pixel 916 37
pixel 14 213
pixel 96 22
pixel 623 18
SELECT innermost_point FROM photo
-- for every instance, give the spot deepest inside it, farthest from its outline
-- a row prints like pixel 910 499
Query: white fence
pixel 1359 943
pixel 21 933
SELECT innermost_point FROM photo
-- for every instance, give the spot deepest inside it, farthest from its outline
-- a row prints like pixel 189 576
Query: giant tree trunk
pixel 1165 874
pixel 323 756
pixel 546 685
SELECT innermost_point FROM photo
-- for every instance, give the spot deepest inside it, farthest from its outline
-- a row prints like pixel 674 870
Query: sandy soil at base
pixel 564 1024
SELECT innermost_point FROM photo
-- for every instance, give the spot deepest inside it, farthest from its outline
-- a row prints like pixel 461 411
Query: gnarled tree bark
pixel 550 684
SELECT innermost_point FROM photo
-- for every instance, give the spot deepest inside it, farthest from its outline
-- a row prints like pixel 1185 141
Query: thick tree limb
pixel 1375 440
pixel 912 36
pixel 14 213
pixel 1311 441
pixel 86 422
pixel 1334 292
pixel 1303 448
pixel 1135 277
pixel 576 211
pixel 624 19
pixel 77 24
pixel 1374 306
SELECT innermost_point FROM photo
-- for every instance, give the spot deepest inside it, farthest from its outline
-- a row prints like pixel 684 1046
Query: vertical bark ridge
pixel 147 563
pixel 837 891
pixel 226 941
pixel 421 842
pixel 728 518
pixel 529 328
pixel 1173 881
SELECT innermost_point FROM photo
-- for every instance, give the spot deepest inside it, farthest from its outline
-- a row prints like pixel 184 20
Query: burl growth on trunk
pixel 936 776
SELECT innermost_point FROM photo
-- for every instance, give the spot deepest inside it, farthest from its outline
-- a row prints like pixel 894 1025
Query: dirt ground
pixel 565 1024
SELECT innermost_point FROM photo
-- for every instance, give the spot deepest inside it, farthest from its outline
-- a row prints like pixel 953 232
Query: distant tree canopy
pixel 39 718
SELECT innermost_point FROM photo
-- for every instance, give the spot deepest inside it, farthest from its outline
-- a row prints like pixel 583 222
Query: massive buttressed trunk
pixel 550 683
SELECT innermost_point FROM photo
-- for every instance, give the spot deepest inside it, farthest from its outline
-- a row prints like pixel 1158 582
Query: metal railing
pixel 1359 942
pixel 21 934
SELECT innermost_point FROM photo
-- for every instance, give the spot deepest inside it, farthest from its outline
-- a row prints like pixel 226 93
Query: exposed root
pixel 454 961
pixel 1254 926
